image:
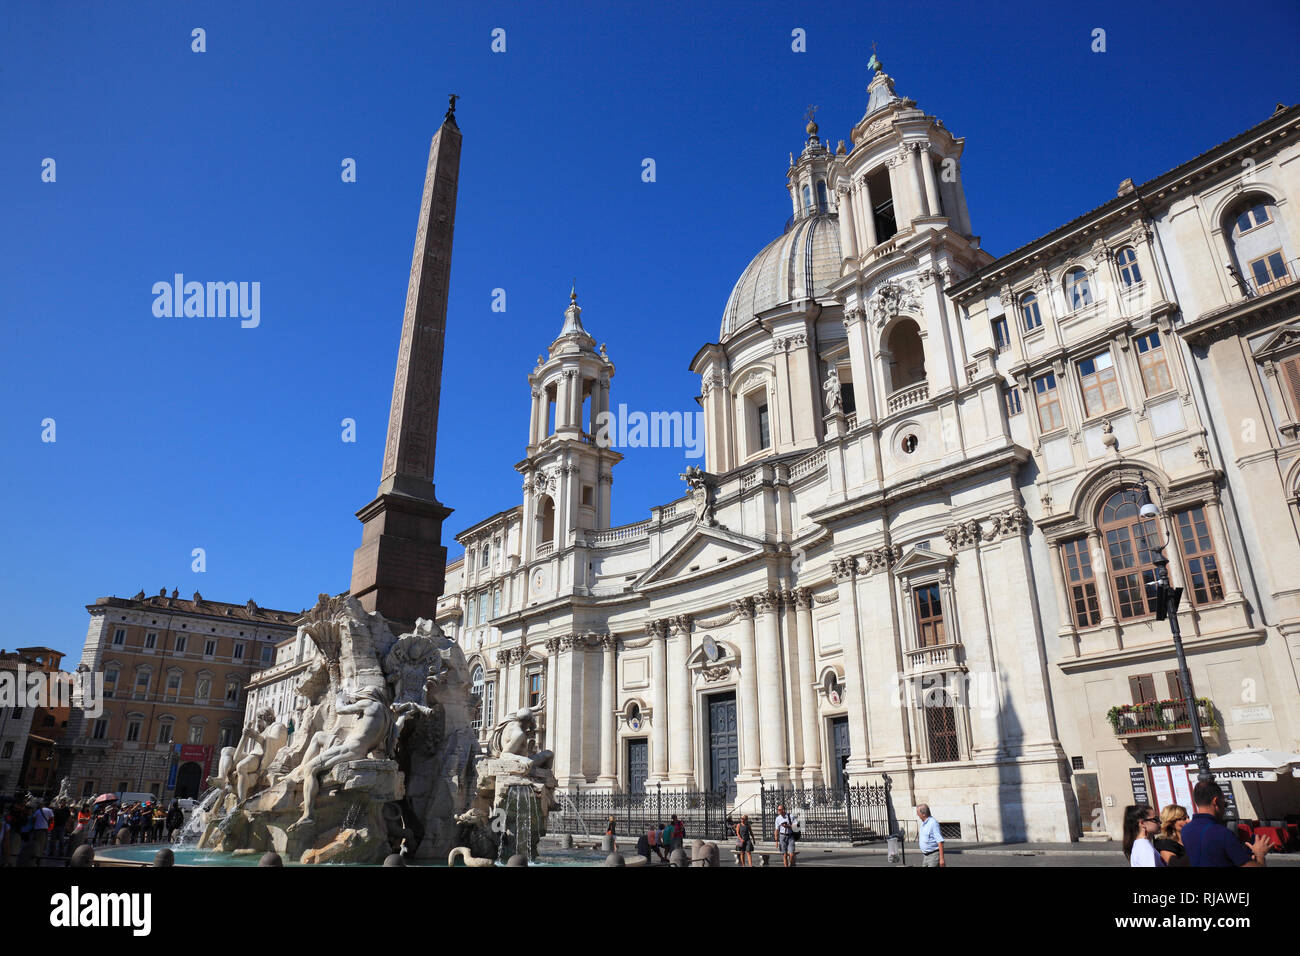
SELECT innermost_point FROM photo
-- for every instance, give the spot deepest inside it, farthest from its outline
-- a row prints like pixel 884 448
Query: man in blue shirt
pixel 930 837
pixel 1209 842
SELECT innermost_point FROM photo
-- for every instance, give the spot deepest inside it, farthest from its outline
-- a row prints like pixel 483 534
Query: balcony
pixel 936 656
pixel 908 396
pixel 1160 718
pixel 545 549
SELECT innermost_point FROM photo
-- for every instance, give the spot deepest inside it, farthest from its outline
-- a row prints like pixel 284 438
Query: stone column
pixel 749 725
pixel 771 696
pixel 931 185
pixel 681 753
pixel 533 417
pixel 569 765
pixel 867 216
pixel 844 571
pixel 608 703
pixel 658 702
pixel 918 187
pixel 1101 578
pixel 848 238
pixel 1222 550
pixel 812 757
pixel 553 730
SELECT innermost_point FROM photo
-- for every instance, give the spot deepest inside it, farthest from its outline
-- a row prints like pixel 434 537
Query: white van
pixel 131 796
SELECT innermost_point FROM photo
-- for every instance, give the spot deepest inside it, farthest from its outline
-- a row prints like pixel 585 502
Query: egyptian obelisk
pixel 400 568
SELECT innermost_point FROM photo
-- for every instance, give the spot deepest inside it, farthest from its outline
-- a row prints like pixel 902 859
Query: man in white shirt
pixel 785 836
pixel 930 838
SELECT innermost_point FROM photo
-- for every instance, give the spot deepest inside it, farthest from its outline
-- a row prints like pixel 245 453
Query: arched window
pixel 905 355
pixel 807 197
pixel 1078 289
pixel 476 692
pixel 1127 261
pixel 1129 539
pixel 1029 313
pixel 1259 245
pixel 821 196
pixel 546 520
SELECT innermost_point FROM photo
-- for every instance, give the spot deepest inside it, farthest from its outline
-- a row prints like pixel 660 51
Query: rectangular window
pixel 110 681
pixel 1049 403
pixel 1174 680
pixel 268 653
pixel 239 652
pixel 1129 548
pixel 489 703
pixel 1129 273
pixel 196 734
pixel 119 636
pixel 165 733
pixel 534 689
pixel 1011 397
pixel 1199 560
pixel 469 613
pixel 227 737
pixel 132 731
pixel 232 691
pixel 929 617
pixel 487 555
pixel 483 608
pixel 173 686
pixel 846 397
pixel 7 751
pixel 1151 359
pixel 209 647
pixel 496 603
pixel 764 435
pixel 101 728
pixel 1270 272
pixel 151 640
pixel 181 640
pixel 1081 584
pixel 1100 387
pixel 1001 334
pixel 142 682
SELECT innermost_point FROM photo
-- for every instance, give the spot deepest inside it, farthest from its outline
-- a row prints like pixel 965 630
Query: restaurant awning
pixel 1254 763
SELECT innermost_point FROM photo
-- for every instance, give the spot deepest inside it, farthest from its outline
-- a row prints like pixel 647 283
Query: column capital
pixel 844 569
pixel 656 629
pixel 552 645
pixel 767 602
pixel 680 624
pixel 803 598
pixel 608 643
pixel 744 607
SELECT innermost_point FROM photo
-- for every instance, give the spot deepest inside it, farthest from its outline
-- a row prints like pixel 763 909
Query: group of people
pixel 660 839
pixel 32 830
pixel 1171 838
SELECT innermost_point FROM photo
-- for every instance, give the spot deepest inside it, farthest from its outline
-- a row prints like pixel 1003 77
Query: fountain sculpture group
pixel 379 758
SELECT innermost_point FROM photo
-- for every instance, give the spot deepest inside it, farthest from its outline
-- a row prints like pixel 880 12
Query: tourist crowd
pixel 32 830
pixel 1172 838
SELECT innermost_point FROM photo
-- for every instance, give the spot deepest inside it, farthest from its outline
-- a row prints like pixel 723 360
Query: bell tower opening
pixel 882 204
pixel 904 355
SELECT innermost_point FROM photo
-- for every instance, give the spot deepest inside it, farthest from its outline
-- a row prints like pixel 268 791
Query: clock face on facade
pixel 711 648
pixel 539 580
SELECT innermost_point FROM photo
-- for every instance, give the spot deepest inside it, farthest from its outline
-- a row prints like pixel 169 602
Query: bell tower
pixel 568 465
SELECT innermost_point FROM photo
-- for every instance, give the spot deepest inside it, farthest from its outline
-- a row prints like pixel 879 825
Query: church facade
pixel 915 551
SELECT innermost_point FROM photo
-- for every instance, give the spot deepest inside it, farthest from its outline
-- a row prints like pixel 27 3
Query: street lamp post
pixel 1167 600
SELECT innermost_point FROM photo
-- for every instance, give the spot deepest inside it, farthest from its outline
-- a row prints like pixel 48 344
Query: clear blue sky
pixel 174 434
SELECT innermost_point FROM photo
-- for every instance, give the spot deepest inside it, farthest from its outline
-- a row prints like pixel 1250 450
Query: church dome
pixel 800 264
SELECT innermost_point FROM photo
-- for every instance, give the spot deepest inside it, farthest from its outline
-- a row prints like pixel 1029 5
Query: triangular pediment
pixel 701 550
pixel 1281 342
pixel 915 560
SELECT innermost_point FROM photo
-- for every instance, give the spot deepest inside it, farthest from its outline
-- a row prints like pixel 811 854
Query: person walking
pixel 653 835
pixel 1167 841
pixel 60 827
pixel 42 819
pixel 679 832
pixel 135 822
pixel 1141 823
pixel 666 838
pixel 159 822
pixel 930 837
pixel 1209 842
pixel 609 832
pixel 101 826
pixel 744 841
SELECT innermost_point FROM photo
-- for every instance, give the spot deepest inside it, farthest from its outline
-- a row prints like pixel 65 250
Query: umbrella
pixel 1254 758
pixel 105 797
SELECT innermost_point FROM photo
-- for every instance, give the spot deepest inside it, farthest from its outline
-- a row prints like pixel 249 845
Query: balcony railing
pixel 1255 287
pixel 906 397
pixel 544 549
pixel 1159 717
pixel 936 655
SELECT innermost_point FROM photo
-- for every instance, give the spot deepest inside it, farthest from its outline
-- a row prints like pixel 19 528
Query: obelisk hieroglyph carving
pixel 401 565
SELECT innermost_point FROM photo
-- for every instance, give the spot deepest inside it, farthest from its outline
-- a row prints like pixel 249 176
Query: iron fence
pixel 586 812
pixel 858 813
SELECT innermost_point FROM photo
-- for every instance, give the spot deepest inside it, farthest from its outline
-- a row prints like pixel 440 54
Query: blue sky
pixel 182 433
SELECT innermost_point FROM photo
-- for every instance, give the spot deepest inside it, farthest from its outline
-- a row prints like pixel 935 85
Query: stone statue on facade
pixel 834 397
pixel 701 491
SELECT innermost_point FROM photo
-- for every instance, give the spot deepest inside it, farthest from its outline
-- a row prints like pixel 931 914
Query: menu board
pixel 1138 779
pixel 1163 786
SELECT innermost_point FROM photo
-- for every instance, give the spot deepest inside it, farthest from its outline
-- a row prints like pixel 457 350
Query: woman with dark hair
pixel 1140 825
